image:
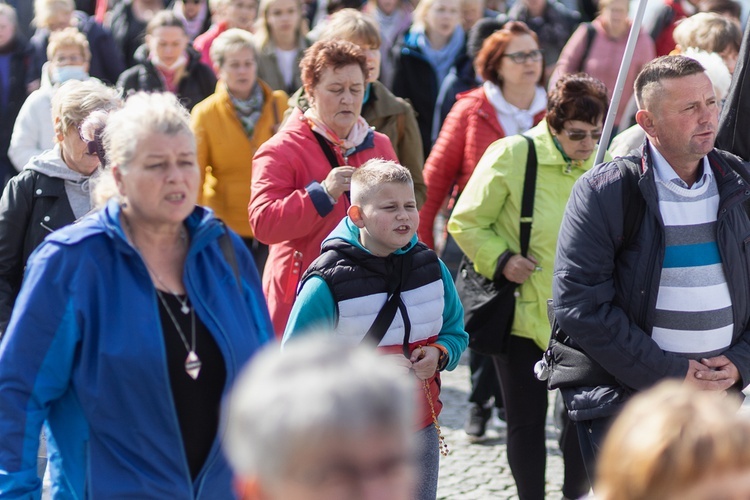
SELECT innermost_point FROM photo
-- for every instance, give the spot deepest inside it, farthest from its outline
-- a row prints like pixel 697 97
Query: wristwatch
pixel 443 358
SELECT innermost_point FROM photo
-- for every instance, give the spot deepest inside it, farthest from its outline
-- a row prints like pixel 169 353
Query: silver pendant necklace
pixel 193 363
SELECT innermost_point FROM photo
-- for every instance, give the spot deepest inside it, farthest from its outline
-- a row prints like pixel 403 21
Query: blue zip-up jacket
pixel 84 351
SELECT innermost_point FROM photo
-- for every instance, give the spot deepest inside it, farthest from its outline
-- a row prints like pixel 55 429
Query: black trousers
pixel 525 400
pixel 484 381
pixel 259 251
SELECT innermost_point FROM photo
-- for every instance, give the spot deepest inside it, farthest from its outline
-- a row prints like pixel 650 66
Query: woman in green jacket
pixel 485 224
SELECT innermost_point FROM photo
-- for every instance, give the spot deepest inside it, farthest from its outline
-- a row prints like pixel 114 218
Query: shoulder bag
pixel 489 306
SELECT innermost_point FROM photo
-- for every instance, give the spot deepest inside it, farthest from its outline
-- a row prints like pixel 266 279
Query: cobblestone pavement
pixel 480 471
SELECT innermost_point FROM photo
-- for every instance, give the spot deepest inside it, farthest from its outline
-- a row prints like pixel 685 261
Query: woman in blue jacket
pixel 129 328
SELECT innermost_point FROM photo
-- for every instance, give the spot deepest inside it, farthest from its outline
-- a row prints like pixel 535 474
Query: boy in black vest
pixel 374 282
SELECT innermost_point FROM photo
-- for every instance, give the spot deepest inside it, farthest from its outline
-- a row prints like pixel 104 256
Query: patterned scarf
pixel 249 110
pixel 356 136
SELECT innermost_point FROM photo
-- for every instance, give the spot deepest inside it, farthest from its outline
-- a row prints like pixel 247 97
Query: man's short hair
pixel 374 173
pixel 663 68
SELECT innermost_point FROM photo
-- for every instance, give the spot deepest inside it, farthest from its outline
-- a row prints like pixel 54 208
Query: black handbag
pixel 489 306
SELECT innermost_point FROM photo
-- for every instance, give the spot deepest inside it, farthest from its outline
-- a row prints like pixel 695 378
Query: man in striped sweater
pixel 668 297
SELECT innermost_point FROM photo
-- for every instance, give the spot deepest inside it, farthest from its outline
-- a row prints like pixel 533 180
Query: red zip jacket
pixel 470 127
pixel 290 212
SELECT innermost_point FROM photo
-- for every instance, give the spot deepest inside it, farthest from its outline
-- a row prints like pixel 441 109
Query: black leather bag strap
pixel 527 202
pixel 327 150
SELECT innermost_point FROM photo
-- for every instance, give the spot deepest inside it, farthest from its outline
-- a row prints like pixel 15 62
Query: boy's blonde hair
pixel 375 172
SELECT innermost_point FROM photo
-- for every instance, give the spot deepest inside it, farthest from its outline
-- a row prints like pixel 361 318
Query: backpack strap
pixel 590 35
pixel 633 204
pixel 527 202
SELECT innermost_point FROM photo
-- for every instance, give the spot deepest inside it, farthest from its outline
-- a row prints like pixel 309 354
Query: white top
pixel 286 60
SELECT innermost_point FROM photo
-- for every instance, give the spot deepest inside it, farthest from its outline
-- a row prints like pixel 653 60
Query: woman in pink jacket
pixel 300 187
pixel 597 49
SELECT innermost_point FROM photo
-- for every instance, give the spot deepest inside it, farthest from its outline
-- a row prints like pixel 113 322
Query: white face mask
pixel 64 73
pixel 181 61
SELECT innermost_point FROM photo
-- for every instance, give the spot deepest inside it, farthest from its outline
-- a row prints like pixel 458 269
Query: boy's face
pixel 387 218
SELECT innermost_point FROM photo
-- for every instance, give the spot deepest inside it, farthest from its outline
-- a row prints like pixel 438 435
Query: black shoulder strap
pixel 327 150
pixel 384 319
pixel 225 242
pixel 633 204
pixel 527 202
pixel 590 35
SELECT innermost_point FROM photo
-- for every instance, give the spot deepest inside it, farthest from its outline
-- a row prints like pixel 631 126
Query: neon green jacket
pixel 485 221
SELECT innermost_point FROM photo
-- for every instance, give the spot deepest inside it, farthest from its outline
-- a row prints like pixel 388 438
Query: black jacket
pixel 32 206
pixel 20 73
pixel 198 82
pixel 605 297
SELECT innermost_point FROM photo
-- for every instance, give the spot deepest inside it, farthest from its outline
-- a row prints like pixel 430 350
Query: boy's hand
pixel 424 361
pixel 338 181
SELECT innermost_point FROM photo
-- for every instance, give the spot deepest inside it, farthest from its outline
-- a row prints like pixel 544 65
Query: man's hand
pixel 712 374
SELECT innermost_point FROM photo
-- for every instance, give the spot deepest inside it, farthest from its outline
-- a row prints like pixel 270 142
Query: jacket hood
pixel 348 232
pixel 50 163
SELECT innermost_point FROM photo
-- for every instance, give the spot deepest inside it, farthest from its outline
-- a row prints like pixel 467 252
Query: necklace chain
pixel 193 363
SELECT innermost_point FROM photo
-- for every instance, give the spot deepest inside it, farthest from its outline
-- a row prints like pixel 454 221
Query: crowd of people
pixel 257 181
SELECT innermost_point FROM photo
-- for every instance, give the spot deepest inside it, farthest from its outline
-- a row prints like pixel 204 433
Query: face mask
pixel 65 73
pixel 181 61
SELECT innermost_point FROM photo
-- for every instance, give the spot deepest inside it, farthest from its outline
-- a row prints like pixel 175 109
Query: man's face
pixel 681 118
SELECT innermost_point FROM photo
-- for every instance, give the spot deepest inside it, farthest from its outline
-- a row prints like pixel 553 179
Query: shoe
pixel 476 421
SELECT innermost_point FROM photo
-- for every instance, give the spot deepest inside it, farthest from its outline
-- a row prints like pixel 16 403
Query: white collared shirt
pixel 664 171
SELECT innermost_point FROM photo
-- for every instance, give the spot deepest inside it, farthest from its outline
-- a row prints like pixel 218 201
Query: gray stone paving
pixel 478 471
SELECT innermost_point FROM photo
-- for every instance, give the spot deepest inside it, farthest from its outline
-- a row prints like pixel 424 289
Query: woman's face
pixel 239 72
pixel 74 150
pixel 161 182
pixel 192 8
pixel 7 30
pixel 60 20
pixel 168 43
pixel 387 6
pixel 337 98
pixel 729 56
pixel 573 141
pixel 616 17
pixel 241 14
pixel 515 75
pixel 442 17
pixel 373 59
pixel 283 18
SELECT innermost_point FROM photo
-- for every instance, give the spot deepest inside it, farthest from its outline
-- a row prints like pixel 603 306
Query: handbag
pixel 489 306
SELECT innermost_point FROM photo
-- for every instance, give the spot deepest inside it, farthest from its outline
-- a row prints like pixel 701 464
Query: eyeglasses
pixel 579 135
pixel 522 57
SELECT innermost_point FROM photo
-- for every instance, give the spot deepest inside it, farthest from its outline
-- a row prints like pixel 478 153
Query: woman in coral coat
pixel 229 127
pixel 300 188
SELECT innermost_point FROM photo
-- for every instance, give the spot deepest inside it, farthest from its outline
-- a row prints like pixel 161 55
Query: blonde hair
pixel 68 37
pixel 667 440
pixel 421 10
pixel 231 40
pixel 262 31
pixel 707 31
pixel 75 100
pixel 354 26
pixel 374 173
pixel 45 10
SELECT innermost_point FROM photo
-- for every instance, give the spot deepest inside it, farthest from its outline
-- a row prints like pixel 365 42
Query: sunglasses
pixel 579 135
pixel 522 57
pixel 196 2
